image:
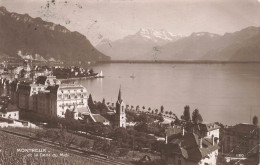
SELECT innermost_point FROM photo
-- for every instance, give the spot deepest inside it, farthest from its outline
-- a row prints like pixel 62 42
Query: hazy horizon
pixel 115 19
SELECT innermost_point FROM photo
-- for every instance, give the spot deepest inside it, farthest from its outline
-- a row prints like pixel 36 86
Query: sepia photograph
pixel 129 82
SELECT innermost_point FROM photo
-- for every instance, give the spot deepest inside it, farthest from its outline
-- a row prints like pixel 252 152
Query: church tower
pixel 120 111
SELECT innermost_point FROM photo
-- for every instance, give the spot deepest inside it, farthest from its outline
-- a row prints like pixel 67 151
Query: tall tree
pixel 255 120
pixel 162 109
pixel 90 102
pixel 186 113
pixel 196 117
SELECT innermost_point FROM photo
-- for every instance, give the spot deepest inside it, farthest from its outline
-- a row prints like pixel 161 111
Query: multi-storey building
pixel 66 97
pixel 26 92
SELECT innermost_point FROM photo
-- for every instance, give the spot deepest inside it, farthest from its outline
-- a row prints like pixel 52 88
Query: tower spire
pixel 119 94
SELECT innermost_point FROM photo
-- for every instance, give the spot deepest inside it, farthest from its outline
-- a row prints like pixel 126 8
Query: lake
pixel 227 93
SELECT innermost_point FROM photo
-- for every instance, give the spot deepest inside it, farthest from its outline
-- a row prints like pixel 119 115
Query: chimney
pixel 200 142
pixel 213 141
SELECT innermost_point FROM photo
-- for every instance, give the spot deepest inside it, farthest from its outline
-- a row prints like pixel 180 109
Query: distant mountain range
pixel 134 47
pixel 33 38
pixel 243 45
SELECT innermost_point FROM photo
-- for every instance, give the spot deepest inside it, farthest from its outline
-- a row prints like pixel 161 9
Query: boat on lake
pixel 132 76
pixel 100 75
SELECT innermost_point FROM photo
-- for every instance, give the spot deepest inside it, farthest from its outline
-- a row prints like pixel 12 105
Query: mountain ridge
pixel 135 45
pixel 35 37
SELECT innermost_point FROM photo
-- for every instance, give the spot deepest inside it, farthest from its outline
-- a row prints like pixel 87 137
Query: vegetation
pixel 186 113
pixel 196 117
pixel 9 154
pixel 255 120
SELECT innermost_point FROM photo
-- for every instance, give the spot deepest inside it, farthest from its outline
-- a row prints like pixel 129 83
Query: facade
pixel 240 139
pixel 25 92
pixel 67 97
pixel 120 111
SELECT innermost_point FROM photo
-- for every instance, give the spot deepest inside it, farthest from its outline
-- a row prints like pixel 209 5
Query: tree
pixel 104 101
pixel 255 120
pixel 177 120
pixel 90 102
pixel 137 108
pixel 156 111
pixel 143 108
pixel 160 118
pixel 149 109
pixel 91 71
pixel 141 127
pixel 196 117
pixel 170 113
pixel 186 113
pixel 166 112
pixel 162 109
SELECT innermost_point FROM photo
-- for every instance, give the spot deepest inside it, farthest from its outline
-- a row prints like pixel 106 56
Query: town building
pixel 195 146
pixel 24 94
pixel 66 97
pixel 9 111
pixel 241 139
pixel 120 111
pixel 47 80
pixel 206 130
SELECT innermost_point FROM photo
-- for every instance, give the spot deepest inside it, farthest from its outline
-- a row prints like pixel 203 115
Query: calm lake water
pixel 222 92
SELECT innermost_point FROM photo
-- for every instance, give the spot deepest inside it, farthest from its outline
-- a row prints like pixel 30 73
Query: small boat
pixel 132 76
pixel 100 75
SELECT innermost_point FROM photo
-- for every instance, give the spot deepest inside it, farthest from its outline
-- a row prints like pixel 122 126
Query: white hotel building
pixel 66 97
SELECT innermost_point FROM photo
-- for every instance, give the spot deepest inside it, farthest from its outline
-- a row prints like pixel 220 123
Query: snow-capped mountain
pixel 158 35
pixel 133 47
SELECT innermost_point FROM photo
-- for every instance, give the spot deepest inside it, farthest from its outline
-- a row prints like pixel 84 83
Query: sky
pixel 114 19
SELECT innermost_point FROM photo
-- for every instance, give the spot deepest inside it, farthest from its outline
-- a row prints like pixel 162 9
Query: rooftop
pixel 189 146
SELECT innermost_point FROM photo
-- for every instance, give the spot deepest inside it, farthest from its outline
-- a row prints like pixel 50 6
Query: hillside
pixel 27 37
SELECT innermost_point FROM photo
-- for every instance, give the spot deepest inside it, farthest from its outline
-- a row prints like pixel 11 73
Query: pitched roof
pixel 189 146
pixel 9 108
pixel 83 110
pixel 99 118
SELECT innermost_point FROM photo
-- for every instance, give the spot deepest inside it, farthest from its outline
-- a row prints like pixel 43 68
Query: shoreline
pixel 78 78
pixel 179 62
